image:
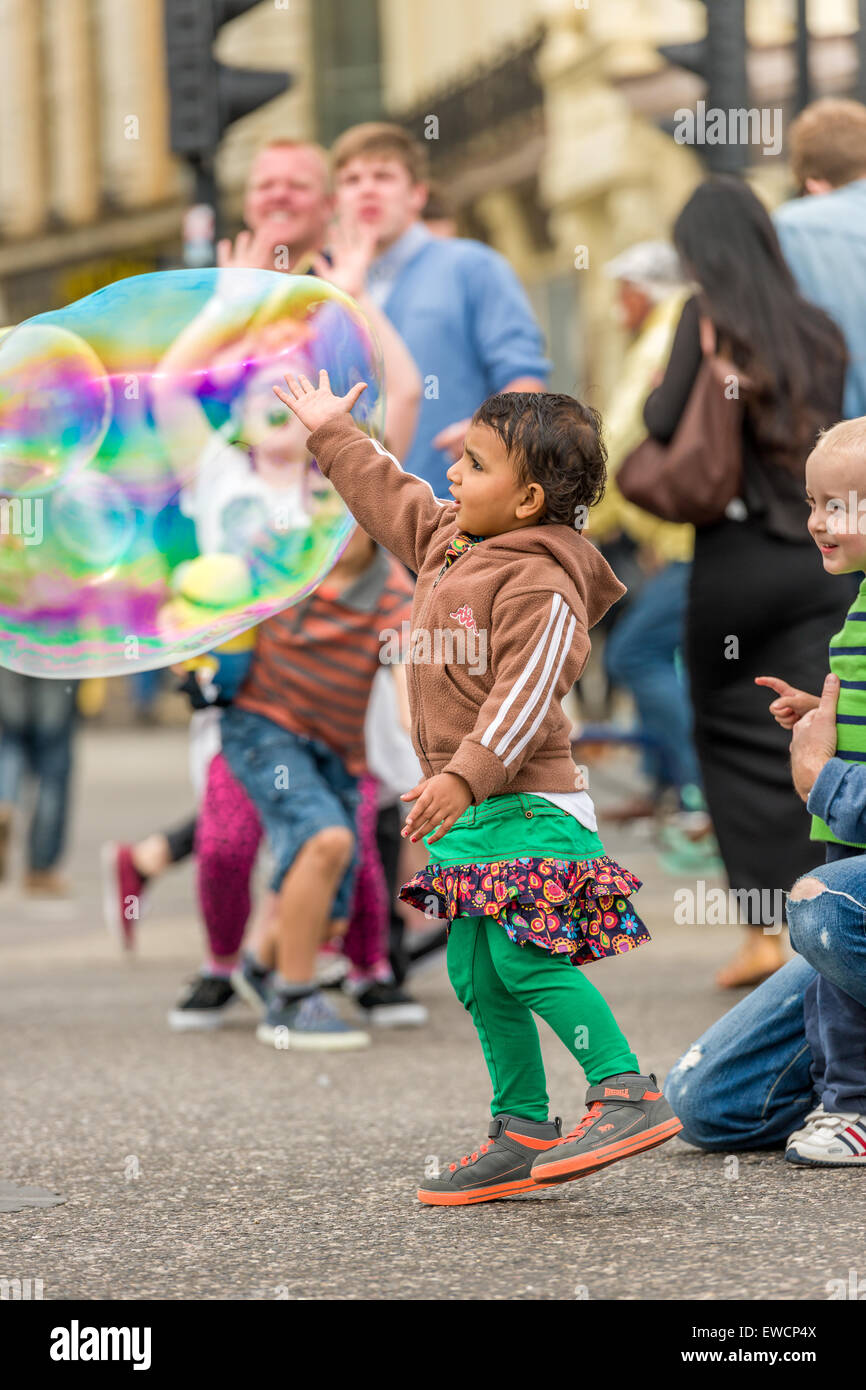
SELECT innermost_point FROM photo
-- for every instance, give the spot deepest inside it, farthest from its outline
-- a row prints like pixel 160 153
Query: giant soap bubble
pixel 54 410
pixel 156 498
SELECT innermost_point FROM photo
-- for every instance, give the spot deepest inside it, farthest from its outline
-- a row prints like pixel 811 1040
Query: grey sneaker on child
pixel 308 1024
pixel 626 1115
pixel 500 1168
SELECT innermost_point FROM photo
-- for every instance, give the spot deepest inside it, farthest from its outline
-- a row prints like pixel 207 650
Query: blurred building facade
pixel 543 119
pixel 549 138
pixel 89 190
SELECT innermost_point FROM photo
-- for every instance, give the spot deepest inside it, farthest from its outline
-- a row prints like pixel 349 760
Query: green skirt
pixel 538 871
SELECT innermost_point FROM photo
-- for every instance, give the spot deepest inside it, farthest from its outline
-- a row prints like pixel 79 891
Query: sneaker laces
pixel 471 1158
pixel 589 1119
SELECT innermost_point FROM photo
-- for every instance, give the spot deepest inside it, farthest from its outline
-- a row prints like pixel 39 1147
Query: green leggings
pixel 502 984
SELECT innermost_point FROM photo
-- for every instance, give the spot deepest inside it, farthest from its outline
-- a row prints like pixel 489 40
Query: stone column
pixel 24 167
pixel 138 166
pixel 73 81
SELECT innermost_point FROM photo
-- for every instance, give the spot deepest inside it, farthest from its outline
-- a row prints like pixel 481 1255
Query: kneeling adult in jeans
pixel 787 1065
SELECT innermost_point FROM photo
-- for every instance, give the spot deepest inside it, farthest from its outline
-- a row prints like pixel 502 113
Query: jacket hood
pixel 585 566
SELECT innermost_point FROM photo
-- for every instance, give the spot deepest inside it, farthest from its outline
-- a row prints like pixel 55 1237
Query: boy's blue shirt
pixel 839 798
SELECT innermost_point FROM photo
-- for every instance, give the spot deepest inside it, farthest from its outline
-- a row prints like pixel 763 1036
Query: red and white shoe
pixel 829 1140
pixel 123 890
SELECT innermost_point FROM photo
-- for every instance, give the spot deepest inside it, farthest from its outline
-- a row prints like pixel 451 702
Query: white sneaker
pixel 806 1127
pixel 835 1140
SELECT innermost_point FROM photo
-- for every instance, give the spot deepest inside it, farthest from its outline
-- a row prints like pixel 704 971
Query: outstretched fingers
pixel 294 387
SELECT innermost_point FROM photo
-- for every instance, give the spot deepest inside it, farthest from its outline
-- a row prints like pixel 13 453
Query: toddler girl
pixel 506 592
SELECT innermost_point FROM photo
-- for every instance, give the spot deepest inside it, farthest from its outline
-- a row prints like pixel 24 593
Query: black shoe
pixel 500 1168
pixel 385 1005
pixel 204 1005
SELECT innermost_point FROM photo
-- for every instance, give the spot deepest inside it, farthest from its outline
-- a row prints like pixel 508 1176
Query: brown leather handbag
pixel 695 476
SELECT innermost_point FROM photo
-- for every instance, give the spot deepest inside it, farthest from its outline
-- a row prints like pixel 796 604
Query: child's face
pixel 836 492
pixel 485 488
pixel 267 424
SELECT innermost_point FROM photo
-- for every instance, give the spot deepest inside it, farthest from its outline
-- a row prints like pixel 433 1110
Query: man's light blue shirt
pixel 386 269
pixel 823 237
pixel 466 320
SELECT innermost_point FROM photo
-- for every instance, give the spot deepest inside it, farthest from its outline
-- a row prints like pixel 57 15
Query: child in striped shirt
pixel 834 1133
pixel 293 738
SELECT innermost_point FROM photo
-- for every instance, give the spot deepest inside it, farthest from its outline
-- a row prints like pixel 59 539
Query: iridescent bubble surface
pixel 55 406
pixel 156 498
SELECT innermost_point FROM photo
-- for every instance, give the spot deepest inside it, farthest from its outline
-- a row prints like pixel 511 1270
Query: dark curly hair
pixel 791 354
pixel 555 441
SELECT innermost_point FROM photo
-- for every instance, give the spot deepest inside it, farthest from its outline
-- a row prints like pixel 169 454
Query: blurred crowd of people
pixel 786 297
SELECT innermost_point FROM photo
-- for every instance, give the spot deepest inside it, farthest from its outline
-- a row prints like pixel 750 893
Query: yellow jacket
pixel 625 429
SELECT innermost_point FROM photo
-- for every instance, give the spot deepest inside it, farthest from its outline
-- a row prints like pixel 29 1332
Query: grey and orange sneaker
pixel 499 1168
pixel 625 1115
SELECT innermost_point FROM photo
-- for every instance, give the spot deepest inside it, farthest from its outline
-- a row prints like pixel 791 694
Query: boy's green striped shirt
pixel 848 662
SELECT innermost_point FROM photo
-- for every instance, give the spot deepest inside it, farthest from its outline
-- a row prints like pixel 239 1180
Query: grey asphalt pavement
pixel 212 1167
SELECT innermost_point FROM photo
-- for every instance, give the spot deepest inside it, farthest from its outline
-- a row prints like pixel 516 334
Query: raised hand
pixel 352 247
pixel 317 405
pixel 250 251
pixel 791 704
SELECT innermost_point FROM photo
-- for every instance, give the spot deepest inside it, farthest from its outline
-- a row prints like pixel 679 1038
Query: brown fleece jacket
pixel 495 717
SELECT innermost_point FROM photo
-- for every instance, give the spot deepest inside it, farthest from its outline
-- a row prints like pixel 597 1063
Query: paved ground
pixel 215 1168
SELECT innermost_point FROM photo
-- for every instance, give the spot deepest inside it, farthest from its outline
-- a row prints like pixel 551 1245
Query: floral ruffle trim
pixel 572 907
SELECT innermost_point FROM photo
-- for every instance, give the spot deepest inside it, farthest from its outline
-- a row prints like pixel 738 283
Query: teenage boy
pixel 456 303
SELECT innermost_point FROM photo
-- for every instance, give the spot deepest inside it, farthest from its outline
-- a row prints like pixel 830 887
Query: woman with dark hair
pixel 759 599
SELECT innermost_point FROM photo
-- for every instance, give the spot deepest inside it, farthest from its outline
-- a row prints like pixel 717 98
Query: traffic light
pixel 205 95
pixel 720 59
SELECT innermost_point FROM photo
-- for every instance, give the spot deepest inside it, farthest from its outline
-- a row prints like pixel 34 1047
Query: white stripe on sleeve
pixel 388 455
pixel 553 647
pixel 540 645
pixel 543 711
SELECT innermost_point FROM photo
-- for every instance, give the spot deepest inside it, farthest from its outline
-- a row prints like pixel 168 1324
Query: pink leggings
pixel 366 936
pixel 227 842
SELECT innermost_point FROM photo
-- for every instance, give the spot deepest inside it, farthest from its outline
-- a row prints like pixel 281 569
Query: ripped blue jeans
pixel 797 1039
